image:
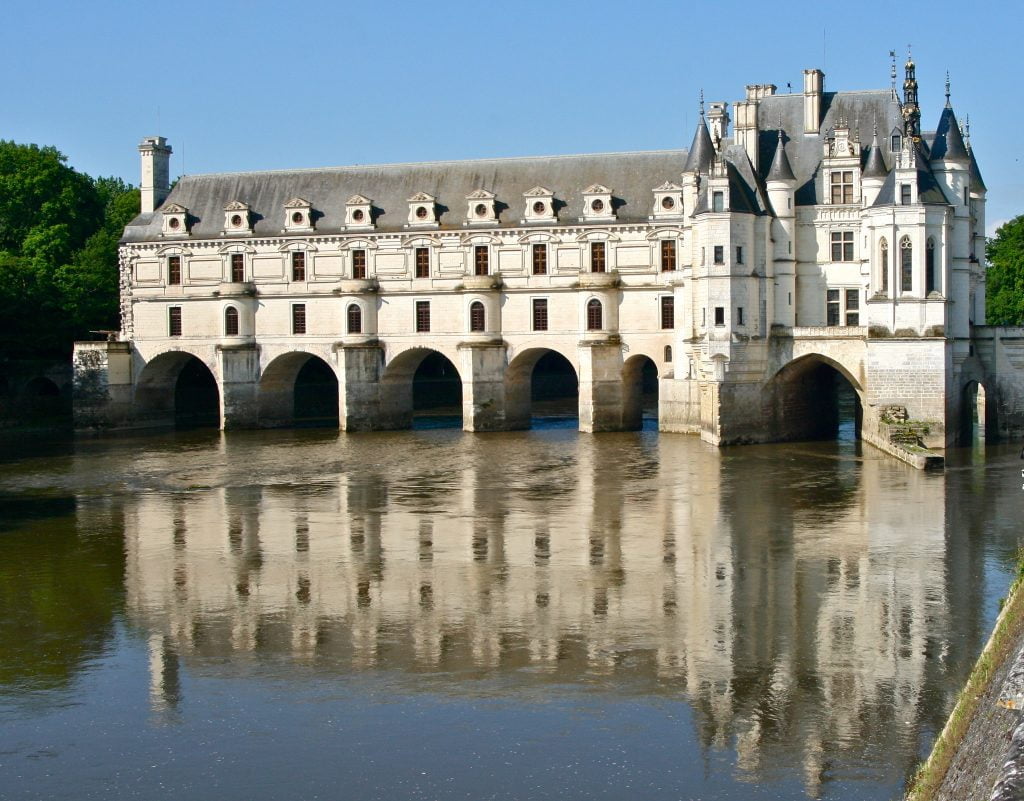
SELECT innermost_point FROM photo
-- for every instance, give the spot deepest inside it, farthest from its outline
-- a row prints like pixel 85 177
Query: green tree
pixel 1004 300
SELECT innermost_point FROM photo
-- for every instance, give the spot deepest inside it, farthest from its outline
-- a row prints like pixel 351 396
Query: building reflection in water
pixel 795 605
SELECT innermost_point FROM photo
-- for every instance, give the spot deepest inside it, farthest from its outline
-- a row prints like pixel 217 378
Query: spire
pixel 977 182
pixel 875 166
pixel 702 150
pixel 911 112
pixel 780 169
pixel 948 104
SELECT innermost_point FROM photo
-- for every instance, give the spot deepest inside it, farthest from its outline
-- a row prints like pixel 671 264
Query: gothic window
pixel 299 318
pixel 231 321
pixel 668 312
pixel 354 319
pixel 480 260
pixel 719 254
pixel 842 245
pixel 668 255
pixel 422 262
pixel 174 269
pixel 174 321
pixel 359 264
pixel 842 186
pixel 540 314
pixel 422 316
pixel 883 258
pixel 477 318
pixel 931 283
pixel 595 316
pixel 597 263
pixel 906 265
pixel 237 267
pixel 540 259
pixel 667 357
pixel 298 265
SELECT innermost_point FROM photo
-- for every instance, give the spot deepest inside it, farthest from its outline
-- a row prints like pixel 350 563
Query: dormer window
pixel 842 186
pixel 718 201
pixel 422 210
pixel 481 208
pixel 357 212
pixel 175 220
pixel 668 200
pixel 237 218
pixel 597 203
pixel 540 205
pixel 298 215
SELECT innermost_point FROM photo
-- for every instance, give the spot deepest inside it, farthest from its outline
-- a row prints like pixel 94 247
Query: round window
pixel 297 218
pixel 421 212
pixel 668 203
pixel 538 207
pixel 597 206
pixel 174 223
pixel 481 210
pixel 236 220
pixel 357 215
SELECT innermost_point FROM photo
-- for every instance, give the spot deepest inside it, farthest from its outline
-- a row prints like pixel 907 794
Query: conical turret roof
pixel 702 151
pixel 948 143
pixel 781 170
pixel 875 166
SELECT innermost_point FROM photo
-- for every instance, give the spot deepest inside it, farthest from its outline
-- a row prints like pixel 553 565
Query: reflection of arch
pixel 813 397
pixel 418 379
pixel 544 376
pixel 298 387
pixel 639 391
pixel 178 387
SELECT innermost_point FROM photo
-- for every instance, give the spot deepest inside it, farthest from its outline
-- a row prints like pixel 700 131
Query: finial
pixel 947 89
pixel 702 104
pixel 892 72
pixel 910 58
pixel 874 127
pixel 967 130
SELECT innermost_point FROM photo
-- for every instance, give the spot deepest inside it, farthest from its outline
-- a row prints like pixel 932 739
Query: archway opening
pixel 640 394
pixel 180 390
pixel 810 399
pixel 298 389
pixel 977 423
pixel 436 393
pixel 41 399
pixel 542 391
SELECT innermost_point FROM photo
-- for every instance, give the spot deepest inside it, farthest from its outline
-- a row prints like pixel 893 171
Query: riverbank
pixel 970 753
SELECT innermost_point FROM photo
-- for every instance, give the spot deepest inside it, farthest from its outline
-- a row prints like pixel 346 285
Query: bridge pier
pixel 239 385
pixel 359 388
pixel 601 406
pixel 483 385
pixel 102 386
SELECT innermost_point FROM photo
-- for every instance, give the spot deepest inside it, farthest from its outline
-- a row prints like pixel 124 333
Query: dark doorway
pixel 315 395
pixel 436 393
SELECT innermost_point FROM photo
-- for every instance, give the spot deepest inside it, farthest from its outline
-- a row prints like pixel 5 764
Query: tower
pixel 154 181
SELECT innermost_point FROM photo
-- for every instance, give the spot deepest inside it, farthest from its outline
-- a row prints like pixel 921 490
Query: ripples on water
pixel 433 614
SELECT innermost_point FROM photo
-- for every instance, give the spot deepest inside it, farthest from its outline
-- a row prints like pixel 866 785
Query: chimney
pixel 718 119
pixel 155 177
pixel 814 85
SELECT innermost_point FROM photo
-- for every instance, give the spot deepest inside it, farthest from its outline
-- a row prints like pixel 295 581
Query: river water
pixel 431 614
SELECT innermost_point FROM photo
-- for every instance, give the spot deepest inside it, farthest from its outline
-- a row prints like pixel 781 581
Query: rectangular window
pixel 832 307
pixel 668 312
pixel 739 315
pixel 540 259
pixel 480 261
pixel 853 307
pixel 359 264
pixel 237 267
pixel 299 318
pixel 895 143
pixel 719 254
pixel 719 315
pixel 540 314
pixel 597 257
pixel 739 254
pixel 174 321
pixel 842 246
pixel 299 265
pixel 842 186
pixel 422 316
pixel 718 201
pixel 904 194
pixel 423 263
pixel 174 269
pixel 668 255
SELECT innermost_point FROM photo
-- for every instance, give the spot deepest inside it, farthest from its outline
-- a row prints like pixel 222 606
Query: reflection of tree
pixel 60 587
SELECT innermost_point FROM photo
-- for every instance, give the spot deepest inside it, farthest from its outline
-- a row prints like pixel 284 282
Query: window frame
pixel 718 254
pixel 231 322
pixel 354 319
pixel 595 315
pixel 668 255
pixel 598 257
pixel 883 258
pixel 299 325
pixel 481 260
pixel 931 277
pixel 174 270
pixel 477 317
pixel 359 263
pixel 841 187
pixel 421 262
pixel 906 265
pixel 539 259
pixel 422 316
pixel 668 312
pixel 539 314
pixel 719 316
pixel 174 321
pixel 298 265
pixel 236 267
pixel 842 246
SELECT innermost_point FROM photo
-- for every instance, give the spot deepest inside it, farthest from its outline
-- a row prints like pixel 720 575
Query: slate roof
pixel 947 143
pixel 928 188
pixel 781 169
pixel 631 177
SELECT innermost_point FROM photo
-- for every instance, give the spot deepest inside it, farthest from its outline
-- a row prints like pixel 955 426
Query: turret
pixel 875 172
pixel 155 154
pixel 781 185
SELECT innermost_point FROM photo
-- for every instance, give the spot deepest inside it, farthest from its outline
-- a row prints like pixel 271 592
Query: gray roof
pixel 631 177
pixel 948 144
pixel 976 179
pixel 781 169
pixel 928 188
pixel 702 151
pixel 875 167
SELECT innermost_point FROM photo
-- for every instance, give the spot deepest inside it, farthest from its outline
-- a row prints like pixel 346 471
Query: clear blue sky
pixel 256 85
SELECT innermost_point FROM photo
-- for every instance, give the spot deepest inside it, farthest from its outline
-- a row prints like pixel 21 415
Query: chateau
pixel 804 241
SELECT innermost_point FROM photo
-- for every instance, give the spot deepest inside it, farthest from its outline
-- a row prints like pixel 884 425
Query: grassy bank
pixel 1000 647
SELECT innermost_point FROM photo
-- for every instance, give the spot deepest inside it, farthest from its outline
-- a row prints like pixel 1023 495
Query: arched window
pixel 883 258
pixel 931 279
pixel 231 322
pixel 595 317
pixel 906 265
pixel 354 319
pixel 477 318
pixel 668 354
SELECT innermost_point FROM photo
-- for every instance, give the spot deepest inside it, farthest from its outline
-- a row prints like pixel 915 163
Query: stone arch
pixel 417 379
pixel 810 397
pixel 640 375
pixel 978 411
pixel 524 385
pixel 298 388
pixel 178 388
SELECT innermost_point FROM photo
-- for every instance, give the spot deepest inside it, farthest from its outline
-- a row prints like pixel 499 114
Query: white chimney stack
pixel 155 178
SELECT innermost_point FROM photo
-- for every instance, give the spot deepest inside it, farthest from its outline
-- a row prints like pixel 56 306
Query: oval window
pixel 597 206
pixel 175 223
pixel 481 210
pixel 357 215
pixel 538 207
pixel 421 212
pixel 668 203
pixel 297 218
pixel 236 220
